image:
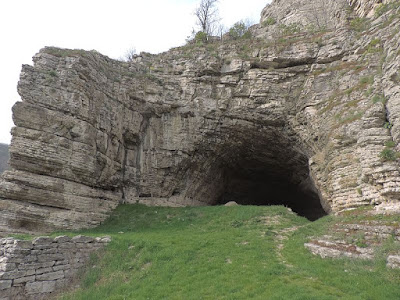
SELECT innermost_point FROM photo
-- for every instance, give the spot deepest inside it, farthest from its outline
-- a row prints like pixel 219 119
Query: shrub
pixel 388 154
pixel 359 24
pixel 367 80
pixel 200 37
pixel 239 30
pixel 53 73
pixel 289 29
pixel 378 98
pixel 390 144
pixel 387 125
pixel 268 22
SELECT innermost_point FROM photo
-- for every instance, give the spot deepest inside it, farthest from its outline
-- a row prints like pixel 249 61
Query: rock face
pixel 306 115
pixel 4 156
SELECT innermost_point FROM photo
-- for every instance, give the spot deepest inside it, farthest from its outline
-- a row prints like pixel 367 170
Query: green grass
pixel 222 253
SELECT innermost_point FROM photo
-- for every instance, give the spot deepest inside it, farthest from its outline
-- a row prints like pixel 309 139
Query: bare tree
pixel 207 16
pixel 129 55
pixel 322 14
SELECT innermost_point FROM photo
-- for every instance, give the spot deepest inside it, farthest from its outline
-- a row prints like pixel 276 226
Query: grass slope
pixel 4 156
pixel 222 253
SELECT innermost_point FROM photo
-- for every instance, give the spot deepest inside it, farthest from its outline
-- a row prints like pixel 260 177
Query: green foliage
pixel 367 80
pixel 268 22
pixel 53 73
pixel 359 24
pixel 387 125
pixel 383 8
pixel 239 30
pixel 369 92
pixel 373 46
pixel 388 154
pixel 379 98
pixel 201 37
pixel 223 253
pixel 375 42
pixel 290 29
pixel 390 144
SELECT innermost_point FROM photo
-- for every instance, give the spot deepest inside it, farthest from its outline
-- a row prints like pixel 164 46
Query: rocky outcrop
pixel 308 119
pixel 3 157
pixel 367 8
pixel 37 269
pixel 363 240
pixel 338 249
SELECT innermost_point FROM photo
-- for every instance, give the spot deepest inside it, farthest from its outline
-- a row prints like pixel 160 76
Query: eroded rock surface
pixel 307 118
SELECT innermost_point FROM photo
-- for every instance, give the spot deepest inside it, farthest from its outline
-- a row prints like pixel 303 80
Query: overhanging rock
pixel 308 119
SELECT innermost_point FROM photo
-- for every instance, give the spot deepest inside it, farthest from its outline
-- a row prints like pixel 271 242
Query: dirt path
pixel 282 236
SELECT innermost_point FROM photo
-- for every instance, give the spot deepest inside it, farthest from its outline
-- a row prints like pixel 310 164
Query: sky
pixel 110 27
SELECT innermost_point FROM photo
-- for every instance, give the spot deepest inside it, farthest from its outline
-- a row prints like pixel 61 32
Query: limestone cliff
pixel 305 114
pixel 4 156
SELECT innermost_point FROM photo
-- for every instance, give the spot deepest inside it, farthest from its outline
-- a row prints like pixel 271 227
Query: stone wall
pixel 36 269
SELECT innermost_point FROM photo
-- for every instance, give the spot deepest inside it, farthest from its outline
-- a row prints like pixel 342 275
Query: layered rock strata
pixel 304 114
pixel 36 269
pixel 358 241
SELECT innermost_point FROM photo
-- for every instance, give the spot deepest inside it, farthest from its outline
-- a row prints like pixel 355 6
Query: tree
pixel 129 55
pixel 240 30
pixel 207 16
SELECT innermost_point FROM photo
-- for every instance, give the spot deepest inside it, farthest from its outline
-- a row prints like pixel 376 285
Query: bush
pixel 289 29
pixel 388 154
pixel 201 37
pixel 268 22
pixel 359 24
pixel 387 125
pixel 390 144
pixel 239 30
pixel 379 98
pixel 367 80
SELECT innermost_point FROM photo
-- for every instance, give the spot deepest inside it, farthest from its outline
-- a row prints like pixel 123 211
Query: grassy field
pixel 240 252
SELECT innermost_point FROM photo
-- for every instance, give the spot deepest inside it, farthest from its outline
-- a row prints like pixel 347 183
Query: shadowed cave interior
pixel 263 169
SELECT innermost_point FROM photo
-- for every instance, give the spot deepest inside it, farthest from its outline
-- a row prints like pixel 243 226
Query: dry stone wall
pixel 36 269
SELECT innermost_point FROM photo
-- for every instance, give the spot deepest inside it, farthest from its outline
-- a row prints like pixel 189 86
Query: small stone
pixel 106 239
pixel 231 203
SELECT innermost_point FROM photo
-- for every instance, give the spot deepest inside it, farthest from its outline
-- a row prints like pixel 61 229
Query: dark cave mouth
pixel 267 180
pixel 262 189
pixel 257 166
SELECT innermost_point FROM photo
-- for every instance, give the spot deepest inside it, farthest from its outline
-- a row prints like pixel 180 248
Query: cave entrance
pixel 261 168
pixel 259 187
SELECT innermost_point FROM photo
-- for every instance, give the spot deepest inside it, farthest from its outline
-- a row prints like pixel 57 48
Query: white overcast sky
pixel 110 27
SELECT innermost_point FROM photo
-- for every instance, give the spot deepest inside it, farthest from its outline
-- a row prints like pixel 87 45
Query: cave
pixel 247 185
pixel 264 167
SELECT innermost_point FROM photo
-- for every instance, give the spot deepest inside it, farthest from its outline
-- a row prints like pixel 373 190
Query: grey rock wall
pixel 39 268
pixel 300 120
pixel 4 157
